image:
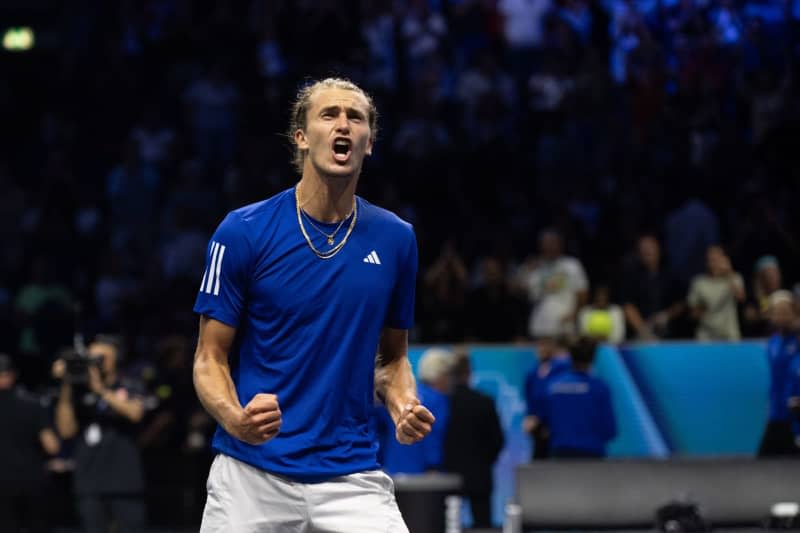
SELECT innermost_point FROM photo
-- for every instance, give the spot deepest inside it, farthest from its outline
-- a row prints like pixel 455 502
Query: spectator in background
pixel 793 399
pixel 577 409
pixel 524 32
pixel 782 348
pixel 443 302
pixel 423 31
pixel 766 281
pixel 557 287
pixel 212 103
pixel 552 360
pixel 25 438
pixel 473 440
pixel 132 189
pixel 102 415
pixel 713 298
pixel 432 388
pixel 690 230
pixel 494 312
pixel 650 294
pixel 154 139
pixel 43 308
pixel 602 320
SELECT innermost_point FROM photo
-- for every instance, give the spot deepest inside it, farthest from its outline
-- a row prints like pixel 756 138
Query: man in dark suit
pixel 473 441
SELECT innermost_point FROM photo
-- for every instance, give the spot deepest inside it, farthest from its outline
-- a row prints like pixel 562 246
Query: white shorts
pixel 245 499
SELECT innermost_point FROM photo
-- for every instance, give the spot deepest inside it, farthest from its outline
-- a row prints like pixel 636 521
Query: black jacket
pixel 473 439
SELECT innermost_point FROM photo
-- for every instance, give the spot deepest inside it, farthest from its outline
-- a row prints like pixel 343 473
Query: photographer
pixel 101 411
pixel 25 438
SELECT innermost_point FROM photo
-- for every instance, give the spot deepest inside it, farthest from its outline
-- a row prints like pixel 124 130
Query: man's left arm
pixel 396 387
pixel 129 407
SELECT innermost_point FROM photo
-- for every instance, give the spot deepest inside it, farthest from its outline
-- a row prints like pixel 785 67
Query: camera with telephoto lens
pixel 77 364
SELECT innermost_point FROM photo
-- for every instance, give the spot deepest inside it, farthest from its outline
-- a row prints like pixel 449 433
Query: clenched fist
pixel 414 423
pixel 259 421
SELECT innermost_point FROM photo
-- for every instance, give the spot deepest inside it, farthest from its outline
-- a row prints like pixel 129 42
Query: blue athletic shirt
pixel 793 390
pixel 308 328
pixel 780 351
pixel 537 379
pixel 421 456
pixel 578 411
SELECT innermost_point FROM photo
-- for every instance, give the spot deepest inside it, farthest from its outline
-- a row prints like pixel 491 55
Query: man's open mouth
pixel 341 149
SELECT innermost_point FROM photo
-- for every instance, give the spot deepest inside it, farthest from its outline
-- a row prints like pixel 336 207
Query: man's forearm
pixel 395 384
pixel 133 410
pixel 66 424
pixel 215 388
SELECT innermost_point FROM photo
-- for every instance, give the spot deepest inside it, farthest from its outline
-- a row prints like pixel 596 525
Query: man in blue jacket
pixel 783 346
pixel 552 360
pixel 577 408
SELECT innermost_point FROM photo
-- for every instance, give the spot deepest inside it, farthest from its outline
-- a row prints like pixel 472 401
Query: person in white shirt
pixel 557 287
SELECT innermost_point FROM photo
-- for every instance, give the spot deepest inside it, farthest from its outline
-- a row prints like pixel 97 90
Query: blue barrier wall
pixel 672 398
pixel 708 399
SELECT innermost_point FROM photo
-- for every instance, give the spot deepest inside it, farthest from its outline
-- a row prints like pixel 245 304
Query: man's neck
pixel 327 199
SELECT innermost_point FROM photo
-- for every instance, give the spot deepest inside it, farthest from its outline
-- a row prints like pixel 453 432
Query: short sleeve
pixel 226 276
pixel 401 306
pixel 694 297
pixel 579 280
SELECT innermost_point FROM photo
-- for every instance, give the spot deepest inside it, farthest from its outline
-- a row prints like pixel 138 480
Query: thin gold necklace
pixel 333 251
pixel 330 237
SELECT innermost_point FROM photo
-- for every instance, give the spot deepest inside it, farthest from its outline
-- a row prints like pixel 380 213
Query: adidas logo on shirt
pixel 211 276
pixel 372 258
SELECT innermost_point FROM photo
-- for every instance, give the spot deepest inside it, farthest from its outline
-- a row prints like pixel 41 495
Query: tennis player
pixel 298 293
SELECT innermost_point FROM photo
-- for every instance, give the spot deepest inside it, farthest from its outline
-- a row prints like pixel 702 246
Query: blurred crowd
pixel 557 157
pixel 619 168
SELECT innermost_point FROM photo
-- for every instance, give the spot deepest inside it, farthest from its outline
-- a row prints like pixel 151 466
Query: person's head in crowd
pixel 768 275
pixel 548 347
pixel 782 313
pixel 493 273
pixel 8 374
pixel 601 297
pixel 717 261
pixel 434 368
pixel 550 244
pixel 109 349
pixel 582 353
pixel 461 368
pixel 649 252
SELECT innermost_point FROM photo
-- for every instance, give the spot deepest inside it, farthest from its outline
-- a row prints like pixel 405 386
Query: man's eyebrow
pixel 336 109
pixel 329 109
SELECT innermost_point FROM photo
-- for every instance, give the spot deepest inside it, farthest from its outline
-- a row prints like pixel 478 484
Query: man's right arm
pixel 66 421
pixel 255 423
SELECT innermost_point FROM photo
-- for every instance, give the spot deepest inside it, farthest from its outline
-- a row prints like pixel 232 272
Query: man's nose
pixel 342 123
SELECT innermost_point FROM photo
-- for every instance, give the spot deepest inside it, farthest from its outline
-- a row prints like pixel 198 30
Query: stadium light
pixel 19 39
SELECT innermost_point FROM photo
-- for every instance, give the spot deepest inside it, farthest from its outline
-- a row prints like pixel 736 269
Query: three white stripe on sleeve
pixel 211 275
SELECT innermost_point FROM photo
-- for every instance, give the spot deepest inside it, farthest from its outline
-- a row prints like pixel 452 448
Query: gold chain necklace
pixel 330 237
pixel 333 251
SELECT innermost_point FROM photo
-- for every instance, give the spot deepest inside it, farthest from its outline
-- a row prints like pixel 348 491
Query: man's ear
pixel 369 146
pixel 300 139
